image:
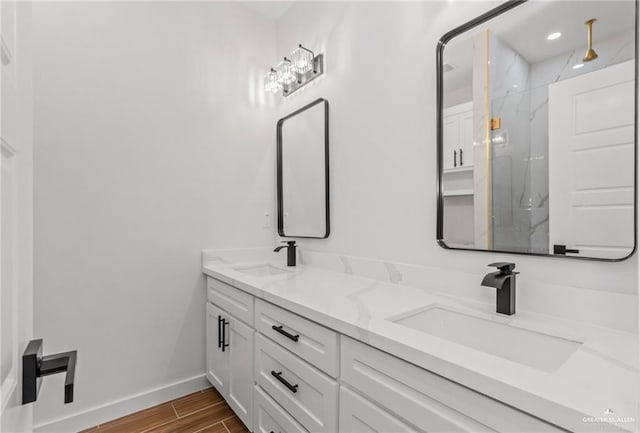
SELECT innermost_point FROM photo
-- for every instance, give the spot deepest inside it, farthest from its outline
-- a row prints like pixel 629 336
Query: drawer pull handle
pixel 223 343
pixel 282 380
pixel 285 333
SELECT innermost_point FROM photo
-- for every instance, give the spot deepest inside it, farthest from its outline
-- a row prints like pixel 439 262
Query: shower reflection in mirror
pixel 538 131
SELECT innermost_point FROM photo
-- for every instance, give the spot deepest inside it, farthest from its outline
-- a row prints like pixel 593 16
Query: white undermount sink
pixel 541 351
pixel 261 270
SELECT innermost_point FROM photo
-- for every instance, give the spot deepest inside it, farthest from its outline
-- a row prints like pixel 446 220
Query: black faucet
pixel 505 281
pixel 291 252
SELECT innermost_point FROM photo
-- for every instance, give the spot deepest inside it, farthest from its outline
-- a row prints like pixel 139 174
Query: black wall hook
pixel 35 366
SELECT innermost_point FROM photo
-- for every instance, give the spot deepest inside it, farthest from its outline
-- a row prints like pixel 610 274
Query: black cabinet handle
pixel 225 322
pixel 282 380
pixel 219 332
pixel 563 250
pixel 455 160
pixel 285 333
pixel 461 163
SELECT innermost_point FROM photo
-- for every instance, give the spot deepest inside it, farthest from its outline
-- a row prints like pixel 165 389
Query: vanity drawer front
pixel 233 301
pixel 270 417
pixel 358 415
pixel 427 400
pixel 312 342
pixel 307 394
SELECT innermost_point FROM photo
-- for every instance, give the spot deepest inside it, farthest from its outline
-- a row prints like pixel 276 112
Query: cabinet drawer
pixel 306 393
pixel 270 417
pixel 233 301
pixel 357 415
pixel 312 342
pixel 426 400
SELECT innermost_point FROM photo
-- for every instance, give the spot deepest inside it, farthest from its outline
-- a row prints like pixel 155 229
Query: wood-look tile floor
pixel 201 412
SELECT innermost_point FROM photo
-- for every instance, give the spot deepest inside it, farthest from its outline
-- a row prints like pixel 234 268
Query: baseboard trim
pixel 115 409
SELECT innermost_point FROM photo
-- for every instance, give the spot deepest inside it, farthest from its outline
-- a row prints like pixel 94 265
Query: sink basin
pixel 534 349
pixel 263 270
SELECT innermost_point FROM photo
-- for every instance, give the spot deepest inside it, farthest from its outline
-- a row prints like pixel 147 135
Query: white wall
pixel 153 140
pixel 381 86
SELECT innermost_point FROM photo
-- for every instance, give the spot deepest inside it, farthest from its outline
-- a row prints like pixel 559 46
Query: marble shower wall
pixel 510 101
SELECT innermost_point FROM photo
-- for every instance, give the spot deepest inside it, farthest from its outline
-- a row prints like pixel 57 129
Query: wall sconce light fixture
pixel 271 81
pixel 292 74
pixel 286 75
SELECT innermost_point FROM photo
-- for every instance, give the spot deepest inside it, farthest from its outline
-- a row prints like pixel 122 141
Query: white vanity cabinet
pixel 458 137
pixel 293 375
pixel 230 352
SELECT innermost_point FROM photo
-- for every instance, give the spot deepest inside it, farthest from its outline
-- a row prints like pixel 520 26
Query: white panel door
pixel 240 388
pixel 16 212
pixel 217 359
pixel 591 168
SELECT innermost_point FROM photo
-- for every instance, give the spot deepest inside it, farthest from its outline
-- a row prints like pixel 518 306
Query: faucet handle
pixel 505 268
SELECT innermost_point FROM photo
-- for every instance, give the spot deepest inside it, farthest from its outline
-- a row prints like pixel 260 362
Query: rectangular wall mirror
pixel 303 172
pixel 537 130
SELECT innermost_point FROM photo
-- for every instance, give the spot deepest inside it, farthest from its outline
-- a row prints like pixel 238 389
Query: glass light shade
pixel 271 82
pixel 302 60
pixel 286 74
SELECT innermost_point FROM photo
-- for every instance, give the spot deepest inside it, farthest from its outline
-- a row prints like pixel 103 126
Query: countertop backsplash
pixel 612 310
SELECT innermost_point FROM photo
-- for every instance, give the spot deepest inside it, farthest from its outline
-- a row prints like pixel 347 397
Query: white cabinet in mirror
pixel 549 134
pixel 303 172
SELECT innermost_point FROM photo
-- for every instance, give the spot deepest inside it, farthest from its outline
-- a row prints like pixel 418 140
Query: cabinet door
pixel 217 360
pixel 466 139
pixel 240 353
pixel 357 415
pixel 451 141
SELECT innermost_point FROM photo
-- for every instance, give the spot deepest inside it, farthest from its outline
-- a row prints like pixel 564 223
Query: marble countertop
pixel 601 375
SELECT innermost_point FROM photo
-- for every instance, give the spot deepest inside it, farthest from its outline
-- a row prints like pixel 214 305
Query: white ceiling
pixel 270 9
pixel 525 29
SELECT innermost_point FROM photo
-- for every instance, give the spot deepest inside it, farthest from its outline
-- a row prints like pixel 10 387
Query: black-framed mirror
pixel 303 172
pixel 536 130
